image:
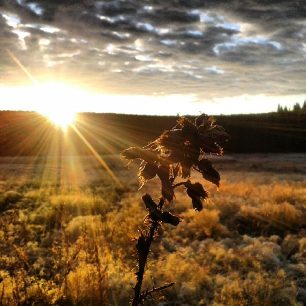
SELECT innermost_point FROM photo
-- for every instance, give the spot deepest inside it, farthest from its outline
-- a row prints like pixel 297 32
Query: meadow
pixel 67 234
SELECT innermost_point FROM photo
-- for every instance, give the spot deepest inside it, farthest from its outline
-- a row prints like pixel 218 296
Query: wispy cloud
pixel 207 48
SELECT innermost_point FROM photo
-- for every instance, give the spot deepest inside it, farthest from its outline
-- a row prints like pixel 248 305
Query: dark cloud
pixel 201 47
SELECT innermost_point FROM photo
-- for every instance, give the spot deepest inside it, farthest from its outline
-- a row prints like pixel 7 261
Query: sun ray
pixel 112 135
pixel 97 156
pixel 21 66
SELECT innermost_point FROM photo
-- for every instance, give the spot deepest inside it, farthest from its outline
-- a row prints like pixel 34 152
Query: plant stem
pixel 149 292
pixel 142 260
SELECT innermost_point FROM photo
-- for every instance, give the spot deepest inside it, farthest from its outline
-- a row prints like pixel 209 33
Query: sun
pixel 60 118
pixel 58 103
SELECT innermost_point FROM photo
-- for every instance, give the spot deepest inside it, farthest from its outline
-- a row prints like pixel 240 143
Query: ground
pixel 67 234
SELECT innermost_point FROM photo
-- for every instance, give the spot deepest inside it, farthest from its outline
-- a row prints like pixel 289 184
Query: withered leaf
pixel 148 171
pixel 189 130
pixel 149 203
pixel 167 188
pixel 171 139
pixel 184 169
pixel 196 190
pixel 197 193
pixel 176 154
pixel 204 120
pixel 175 171
pixel 156 215
pixel 167 191
pixel 197 203
pixel 167 217
pixel 132 153
pixel 218 134
pixel 139 153
pixel 208 145
pixel 208 171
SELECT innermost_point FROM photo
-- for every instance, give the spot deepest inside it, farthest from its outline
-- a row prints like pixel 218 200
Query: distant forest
pixel 297 108
pixel 28 133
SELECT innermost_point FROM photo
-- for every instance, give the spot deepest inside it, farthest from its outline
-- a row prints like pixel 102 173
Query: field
pixel 29 134
pixel 67 234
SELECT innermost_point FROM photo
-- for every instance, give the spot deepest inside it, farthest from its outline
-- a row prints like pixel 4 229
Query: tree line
pixel 27 133
pixel 297 108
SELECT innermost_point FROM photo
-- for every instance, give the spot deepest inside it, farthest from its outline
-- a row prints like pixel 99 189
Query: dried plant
pixel 171 157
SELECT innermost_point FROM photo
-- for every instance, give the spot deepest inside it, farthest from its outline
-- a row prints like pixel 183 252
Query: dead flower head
pixel 176 152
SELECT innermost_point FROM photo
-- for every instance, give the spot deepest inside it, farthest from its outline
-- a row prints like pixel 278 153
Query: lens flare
pixel 54 101
pixel 62 118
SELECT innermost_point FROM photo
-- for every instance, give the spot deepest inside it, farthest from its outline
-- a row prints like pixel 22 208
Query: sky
pixel 153 57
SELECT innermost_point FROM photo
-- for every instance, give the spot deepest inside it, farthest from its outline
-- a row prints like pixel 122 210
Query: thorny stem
pixel 149 292
pixel 163 158
pixel 138 298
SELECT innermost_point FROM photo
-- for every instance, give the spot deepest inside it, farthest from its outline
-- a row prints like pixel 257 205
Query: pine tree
pixel 304 107
pixel 279 108
pixel 296 107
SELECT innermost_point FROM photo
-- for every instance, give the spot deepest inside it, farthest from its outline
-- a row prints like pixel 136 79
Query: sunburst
pixel 54 104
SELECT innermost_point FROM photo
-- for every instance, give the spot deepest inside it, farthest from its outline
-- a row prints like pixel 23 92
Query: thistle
pixel 171 157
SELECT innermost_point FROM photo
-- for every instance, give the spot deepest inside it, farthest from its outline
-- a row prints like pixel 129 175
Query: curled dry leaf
pixel 204 120
pixel 171 139
pixel 132 153
pixel 167 217
pixel 156 213
pixel 147 171
pixel 167 188
pixel 149 203
pixel 139 153
pixel 189 130
pixel 197 203
pixel 208 172
pixel 197 193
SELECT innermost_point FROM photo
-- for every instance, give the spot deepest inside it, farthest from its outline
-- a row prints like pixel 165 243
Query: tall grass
pixel 239 250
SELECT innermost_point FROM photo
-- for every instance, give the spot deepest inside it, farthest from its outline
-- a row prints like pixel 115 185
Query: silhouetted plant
pixel 171 157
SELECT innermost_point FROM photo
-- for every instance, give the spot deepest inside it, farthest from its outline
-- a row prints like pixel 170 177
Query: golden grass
pixel 75 244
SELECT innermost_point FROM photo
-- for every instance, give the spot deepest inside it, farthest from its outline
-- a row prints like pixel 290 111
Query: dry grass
pixel 74 245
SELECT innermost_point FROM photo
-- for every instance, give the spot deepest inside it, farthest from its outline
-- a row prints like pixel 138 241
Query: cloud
pixel 214 70
pixel 209 48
